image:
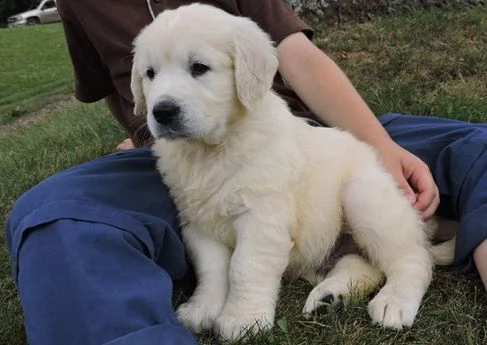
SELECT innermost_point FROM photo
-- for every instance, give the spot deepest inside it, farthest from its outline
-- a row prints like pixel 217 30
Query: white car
pixel 44 12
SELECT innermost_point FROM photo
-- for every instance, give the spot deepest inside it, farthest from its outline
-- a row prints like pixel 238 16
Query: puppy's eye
pixel 198 69
pixel 150 73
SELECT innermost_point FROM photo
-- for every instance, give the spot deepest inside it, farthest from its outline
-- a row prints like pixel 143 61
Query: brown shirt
pixel 99 35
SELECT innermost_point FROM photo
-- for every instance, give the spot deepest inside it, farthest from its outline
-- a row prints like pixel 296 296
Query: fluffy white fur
pixel 261 192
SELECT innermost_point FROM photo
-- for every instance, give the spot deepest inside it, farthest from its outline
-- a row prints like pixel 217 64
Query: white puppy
pixel 261 192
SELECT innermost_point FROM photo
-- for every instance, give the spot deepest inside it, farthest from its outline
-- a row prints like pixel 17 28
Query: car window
pixel 34 5
pixel 49 4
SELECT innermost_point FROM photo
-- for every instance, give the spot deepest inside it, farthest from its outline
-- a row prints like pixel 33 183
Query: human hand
pixel 413 178
pixel 126 144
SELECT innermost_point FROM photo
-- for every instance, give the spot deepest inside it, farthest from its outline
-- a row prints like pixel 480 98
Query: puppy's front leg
pixel 211 260
pixel 256 267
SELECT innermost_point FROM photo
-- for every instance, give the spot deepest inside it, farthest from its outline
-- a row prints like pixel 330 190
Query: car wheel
pixel 33 21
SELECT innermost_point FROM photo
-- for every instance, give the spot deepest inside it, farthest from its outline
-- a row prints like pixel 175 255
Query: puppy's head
pixel 196 69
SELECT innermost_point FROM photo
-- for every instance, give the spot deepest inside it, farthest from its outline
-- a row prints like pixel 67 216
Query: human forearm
pixel 327 91
pixel 330 95
pixel 480 258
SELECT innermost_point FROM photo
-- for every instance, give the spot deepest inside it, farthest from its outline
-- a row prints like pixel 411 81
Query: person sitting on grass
pixel 95 248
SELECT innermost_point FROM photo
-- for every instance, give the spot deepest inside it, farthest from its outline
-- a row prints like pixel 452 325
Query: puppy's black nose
pixel 166 112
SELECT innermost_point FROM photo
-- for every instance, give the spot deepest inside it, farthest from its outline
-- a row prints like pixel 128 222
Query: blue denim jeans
pixel 95 249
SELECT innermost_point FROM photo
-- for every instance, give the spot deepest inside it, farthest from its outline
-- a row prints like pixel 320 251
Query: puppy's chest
pixel 208 197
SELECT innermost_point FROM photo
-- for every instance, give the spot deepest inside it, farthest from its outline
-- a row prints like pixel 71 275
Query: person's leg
pixel 456 153
pixel 94 249
pixel 480 258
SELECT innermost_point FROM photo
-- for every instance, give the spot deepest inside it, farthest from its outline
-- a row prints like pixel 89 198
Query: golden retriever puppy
pixel 260 192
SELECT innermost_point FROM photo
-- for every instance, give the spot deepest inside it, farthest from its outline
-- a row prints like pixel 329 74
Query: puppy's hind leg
pixel 351 275
pixel 387 227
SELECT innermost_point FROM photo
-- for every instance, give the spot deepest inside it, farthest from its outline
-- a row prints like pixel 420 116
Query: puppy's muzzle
pixel 166 112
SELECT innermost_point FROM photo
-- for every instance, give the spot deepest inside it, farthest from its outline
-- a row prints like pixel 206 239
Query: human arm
pixel 332 97
pixel 480 258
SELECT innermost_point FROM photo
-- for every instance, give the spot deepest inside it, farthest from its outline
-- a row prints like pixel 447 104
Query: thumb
pixel 407 190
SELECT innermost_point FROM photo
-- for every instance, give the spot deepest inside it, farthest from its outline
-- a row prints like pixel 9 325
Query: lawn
pixel 420 63
pixel 33 61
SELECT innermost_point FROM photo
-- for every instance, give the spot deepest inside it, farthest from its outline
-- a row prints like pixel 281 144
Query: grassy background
pixel 422 63
pixel 33 67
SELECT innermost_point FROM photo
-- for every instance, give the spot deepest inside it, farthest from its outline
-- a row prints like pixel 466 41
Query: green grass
pixel 453 312
pixel 34 66
pixel 422 63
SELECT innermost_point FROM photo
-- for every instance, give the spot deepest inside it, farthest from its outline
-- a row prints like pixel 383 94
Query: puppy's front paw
pixel 236 327
pixel 391 310
pixel 198 316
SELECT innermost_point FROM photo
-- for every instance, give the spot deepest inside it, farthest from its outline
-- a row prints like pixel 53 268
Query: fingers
pixel 126 144
pixel 427 194
pixel 414 178
pixel 427 203
pixel 407 190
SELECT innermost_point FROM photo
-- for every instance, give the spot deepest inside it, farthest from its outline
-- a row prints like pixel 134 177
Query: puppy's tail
pixel 443 253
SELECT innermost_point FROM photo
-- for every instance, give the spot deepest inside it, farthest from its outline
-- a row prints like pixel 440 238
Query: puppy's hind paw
pixel 327 296
pixel 323 306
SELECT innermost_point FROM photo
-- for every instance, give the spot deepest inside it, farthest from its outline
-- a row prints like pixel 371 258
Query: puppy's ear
pixel 255 62
pixel 140 107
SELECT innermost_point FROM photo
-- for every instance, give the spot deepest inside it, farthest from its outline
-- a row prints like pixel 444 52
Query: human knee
pixel 27 204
